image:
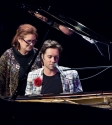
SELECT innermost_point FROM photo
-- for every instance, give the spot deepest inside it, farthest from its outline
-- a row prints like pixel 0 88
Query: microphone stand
pixel 84 68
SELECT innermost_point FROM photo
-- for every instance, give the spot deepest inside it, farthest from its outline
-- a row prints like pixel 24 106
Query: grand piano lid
pixel 70 27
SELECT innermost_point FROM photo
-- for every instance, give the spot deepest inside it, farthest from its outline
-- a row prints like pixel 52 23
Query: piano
pixel 72 108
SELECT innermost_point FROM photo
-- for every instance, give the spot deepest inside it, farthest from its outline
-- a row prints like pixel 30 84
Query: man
pixel 48 79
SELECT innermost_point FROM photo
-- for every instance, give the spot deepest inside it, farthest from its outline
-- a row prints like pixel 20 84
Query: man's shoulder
pixel 62 67
pixel 36 71
pixel 68 69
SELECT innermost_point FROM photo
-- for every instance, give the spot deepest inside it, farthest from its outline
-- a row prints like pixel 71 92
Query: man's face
pixel 50 57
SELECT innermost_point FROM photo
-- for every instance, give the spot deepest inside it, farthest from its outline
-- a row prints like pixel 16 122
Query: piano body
pixel 75 108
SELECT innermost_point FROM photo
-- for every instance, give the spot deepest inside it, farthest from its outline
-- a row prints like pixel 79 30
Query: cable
pixel 96 74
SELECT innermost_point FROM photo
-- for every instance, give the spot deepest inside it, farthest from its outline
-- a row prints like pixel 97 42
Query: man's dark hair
pixel 49 44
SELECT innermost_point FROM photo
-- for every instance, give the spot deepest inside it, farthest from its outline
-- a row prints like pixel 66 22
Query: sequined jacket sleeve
pixel 3 71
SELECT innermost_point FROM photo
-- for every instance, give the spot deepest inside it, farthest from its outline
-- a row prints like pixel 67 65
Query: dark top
pixel 23 60
pixel 51 84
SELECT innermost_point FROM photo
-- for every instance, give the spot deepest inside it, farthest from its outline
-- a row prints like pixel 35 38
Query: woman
pixel 14 61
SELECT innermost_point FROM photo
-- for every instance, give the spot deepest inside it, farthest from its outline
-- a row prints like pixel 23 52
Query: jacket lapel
pixel 40 75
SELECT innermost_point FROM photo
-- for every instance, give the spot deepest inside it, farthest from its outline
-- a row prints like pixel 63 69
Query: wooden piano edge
pixel 99 99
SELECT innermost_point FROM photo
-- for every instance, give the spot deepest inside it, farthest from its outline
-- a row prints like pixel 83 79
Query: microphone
pixel 57 67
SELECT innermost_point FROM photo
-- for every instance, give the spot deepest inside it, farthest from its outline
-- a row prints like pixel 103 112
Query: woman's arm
pixel 3 72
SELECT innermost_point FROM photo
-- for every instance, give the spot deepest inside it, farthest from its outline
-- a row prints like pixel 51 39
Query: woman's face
pixel 27 43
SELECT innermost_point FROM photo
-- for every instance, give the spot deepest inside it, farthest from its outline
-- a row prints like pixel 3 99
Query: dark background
pixel 94 14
